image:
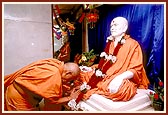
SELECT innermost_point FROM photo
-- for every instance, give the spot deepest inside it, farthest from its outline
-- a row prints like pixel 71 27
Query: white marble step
pixel 99 103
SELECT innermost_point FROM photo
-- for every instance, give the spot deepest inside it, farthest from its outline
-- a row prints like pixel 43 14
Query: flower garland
pixel 104 64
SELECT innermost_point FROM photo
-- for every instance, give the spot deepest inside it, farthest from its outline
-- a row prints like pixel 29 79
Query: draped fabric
pixel 40 79
pixel 146 25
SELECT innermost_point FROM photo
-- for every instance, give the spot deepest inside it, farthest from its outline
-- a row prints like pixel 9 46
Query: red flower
pixel 160 83
pixel 151 93
pixel 156 96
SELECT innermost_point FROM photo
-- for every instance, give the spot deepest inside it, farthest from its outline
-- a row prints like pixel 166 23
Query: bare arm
pixel 117 81
pixel 73 95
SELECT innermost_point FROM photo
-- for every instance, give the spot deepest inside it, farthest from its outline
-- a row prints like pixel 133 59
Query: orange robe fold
pixel 129 58
pixel 42 78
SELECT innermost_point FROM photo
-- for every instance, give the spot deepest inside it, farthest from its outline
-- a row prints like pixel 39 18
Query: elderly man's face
pixel 67 77
pixel 117 27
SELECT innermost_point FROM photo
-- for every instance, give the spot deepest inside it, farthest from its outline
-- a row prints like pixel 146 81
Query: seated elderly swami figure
pixel 120 66
pixel 44 79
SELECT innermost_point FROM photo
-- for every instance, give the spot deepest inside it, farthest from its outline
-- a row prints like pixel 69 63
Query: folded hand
pixel 74 94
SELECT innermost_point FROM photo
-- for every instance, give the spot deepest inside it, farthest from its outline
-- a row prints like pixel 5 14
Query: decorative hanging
pixel 92 18
pixel 56 11
pixel 70 26
pixel 64 27
pixel 91 15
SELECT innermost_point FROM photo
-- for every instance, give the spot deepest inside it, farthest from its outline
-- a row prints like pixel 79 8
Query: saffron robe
pixel 129 58
pixel 42 78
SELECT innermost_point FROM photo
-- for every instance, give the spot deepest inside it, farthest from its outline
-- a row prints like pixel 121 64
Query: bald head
pixel 70 72
pixel 123 21
pixel 73 67
pixel 119 25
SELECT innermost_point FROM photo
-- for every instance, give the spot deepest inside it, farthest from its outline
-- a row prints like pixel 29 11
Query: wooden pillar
pixel 85 46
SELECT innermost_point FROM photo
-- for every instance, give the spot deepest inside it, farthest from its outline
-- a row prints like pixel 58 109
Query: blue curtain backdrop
pixel 146 25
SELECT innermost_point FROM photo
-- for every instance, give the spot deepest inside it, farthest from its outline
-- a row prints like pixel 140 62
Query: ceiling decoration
pixel 91 14
pixel 66 15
